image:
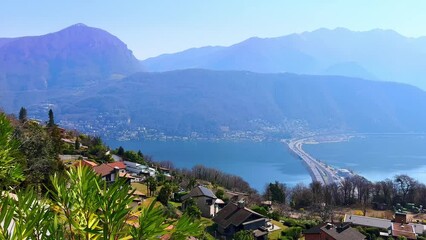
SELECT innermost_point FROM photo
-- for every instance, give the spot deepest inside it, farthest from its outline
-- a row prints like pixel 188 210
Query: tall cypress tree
pixel 51 122
pixel 23 114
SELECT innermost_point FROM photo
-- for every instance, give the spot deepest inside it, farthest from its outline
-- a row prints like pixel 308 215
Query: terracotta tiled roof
pixel 103 169
pixel 120 165
pixel 85 163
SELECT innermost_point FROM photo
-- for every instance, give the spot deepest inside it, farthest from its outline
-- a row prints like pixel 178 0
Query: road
pixel 319 171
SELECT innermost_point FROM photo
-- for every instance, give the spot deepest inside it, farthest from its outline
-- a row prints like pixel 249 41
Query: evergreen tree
pixel 23 114
pixel 51 121
pixel 164 194
pixel 120 151
pixel 77 144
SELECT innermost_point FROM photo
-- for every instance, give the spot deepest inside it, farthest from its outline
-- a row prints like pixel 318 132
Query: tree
pixel 191 209
pixel 276 192
pixel 77 144
pixel 23 114
pixel 40 151
pixel 120 151
pixel 151 185
pixel 244 235
pixel 406 185
pixel 164 194
pixel 51 122
pixel 220 194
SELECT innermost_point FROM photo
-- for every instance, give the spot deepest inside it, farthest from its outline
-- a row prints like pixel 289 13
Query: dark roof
pixel 314 230
pixel 348 233
pixel 199 192
pixel 232 214
pixel 103 169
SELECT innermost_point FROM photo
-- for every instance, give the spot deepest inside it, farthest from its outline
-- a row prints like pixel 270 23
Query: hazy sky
pixel 154 27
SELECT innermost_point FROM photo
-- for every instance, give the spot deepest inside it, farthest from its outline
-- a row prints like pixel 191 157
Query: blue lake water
pixel 375 157
pixel 257 162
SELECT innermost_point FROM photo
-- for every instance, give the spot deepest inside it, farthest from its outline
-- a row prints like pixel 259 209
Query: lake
pixel 257 162
pixel 375 157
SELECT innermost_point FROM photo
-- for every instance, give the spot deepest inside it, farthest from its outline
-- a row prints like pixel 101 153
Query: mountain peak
pixel 79 25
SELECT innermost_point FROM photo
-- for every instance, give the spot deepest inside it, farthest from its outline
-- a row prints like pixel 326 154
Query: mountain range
pixel 91 79
pixel 75 56
pixel 376 55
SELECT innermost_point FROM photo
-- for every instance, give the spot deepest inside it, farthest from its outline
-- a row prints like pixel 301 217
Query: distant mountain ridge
pixel 75 56
pixel 212 102
pixel 376 54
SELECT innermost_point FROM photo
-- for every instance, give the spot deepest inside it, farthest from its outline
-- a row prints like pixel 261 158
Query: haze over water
pixel 375 157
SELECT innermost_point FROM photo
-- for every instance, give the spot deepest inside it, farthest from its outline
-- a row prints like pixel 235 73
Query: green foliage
pixel 170 211
pixel 164 194
pixel 177 197
pixel 133 156
pixel 274 215
pixel 220 194
pixel 38 148
pixel 51 122
pixel 304 224
pixel 244 235
pixel 120 151
pixel 185 227
pixel 77 144
pixel 259 209
pixel 82 206
pixel 151 185
pixel 293 233
pixel 276 192
pixel 369 232
pixel 191 209
pixel 10 169
pixel 23 114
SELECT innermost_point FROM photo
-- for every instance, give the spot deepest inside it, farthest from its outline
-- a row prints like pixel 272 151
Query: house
pixel 330 231
pixel 236 217
pixel 205 200
pixel 403 230
pixel 235 196
pixel 120 165
pixel 107 172
pixel 140 169
pixel 116 158
pixel 397 227
pixel 86 163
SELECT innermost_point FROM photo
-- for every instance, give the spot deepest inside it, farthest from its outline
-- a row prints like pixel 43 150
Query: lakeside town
pixel 346 207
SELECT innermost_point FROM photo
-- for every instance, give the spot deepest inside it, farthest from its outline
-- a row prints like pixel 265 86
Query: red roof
pixel 103 169
pixel 120 165
pixel 85 163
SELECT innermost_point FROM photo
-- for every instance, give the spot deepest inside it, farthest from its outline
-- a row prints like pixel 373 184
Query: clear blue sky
pixel 154 27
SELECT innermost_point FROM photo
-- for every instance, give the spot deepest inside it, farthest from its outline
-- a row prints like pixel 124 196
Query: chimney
pixel 343 226
pixel 241 203
pixel 401 218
